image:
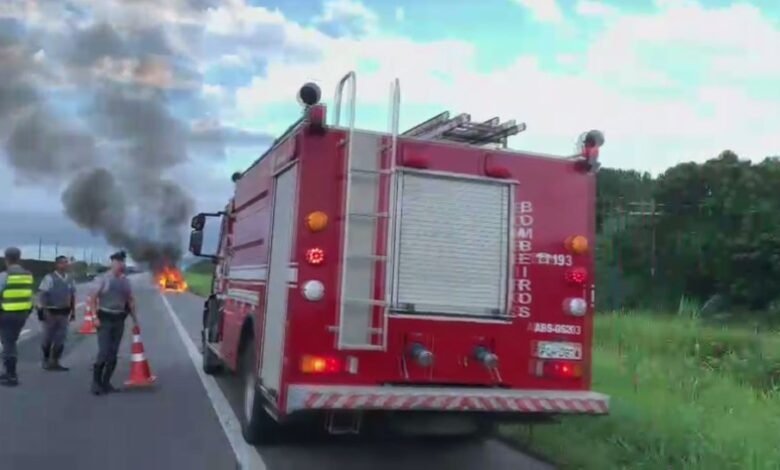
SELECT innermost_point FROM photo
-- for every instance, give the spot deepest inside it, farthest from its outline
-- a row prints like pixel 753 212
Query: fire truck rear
pixel 432 279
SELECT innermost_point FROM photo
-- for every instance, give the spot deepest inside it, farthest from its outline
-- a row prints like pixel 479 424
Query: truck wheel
pixel 212 364
pixel 257 426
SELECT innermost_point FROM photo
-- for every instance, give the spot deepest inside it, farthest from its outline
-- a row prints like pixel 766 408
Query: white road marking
pixel 247 456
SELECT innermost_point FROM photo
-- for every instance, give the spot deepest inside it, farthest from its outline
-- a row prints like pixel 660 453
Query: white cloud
pixel 239 18
pixel 546 11
pixel 679 83
pixel 654 82
pixel 346 17
pixel 594 8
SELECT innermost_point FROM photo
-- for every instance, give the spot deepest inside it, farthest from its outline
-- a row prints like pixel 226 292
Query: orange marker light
pixel 577 244
pixel 319 365
pixel 317 221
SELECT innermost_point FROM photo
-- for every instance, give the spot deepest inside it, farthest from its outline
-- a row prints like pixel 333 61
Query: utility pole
pixel 40 248
pixel 653 239
pixel 56 249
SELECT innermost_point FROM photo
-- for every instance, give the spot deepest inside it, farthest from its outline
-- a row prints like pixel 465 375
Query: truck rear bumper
pixel 328 397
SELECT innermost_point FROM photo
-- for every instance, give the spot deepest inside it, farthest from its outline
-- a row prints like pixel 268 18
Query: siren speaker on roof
pixel 309 94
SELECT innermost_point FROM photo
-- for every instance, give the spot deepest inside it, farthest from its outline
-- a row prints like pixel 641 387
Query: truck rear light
pixel 591 143
pixel 558 369
pixel 575 306
pixel 577 275
pixel 590 153
pixel 320 364
pixel 313 290
pixel 315 116
pixel 315 256
pixel 421 355
pixel 497 172
pixel 414 160
pixel 577 244
pixel 317 221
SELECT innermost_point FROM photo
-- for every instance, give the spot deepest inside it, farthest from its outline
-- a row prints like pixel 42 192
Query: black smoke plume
pixel 89 95
pixel 112 153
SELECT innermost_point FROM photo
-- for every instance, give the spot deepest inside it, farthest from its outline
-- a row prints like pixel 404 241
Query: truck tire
pixel 212 364
pixel 257 426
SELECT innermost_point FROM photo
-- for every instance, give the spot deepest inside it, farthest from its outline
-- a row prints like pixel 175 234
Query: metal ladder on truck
pixel 369 222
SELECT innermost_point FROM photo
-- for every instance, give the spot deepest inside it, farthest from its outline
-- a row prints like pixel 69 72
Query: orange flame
pixel 171 279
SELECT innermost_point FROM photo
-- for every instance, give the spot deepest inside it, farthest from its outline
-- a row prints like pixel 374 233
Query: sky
pixel 667 81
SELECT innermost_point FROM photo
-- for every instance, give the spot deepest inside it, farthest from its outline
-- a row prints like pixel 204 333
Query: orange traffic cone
pixel 88 327
pixel 140 374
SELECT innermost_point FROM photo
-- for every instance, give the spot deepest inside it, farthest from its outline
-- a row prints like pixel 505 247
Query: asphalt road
pixel 188 420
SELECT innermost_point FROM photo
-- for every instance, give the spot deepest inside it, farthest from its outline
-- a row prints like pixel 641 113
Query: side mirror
pixel 198 222
pixel 196 241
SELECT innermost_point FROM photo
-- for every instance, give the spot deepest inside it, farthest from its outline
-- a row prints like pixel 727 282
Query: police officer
pixel 16 302
pixel 57 299
pixel 113 301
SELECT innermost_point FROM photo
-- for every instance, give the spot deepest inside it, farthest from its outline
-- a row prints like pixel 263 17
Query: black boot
pixel 107 373
pixel 9 379
pixel 46 361
pixel 56 354
pixel 97 375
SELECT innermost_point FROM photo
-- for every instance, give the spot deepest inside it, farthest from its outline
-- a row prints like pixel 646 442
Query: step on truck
pixel 432 279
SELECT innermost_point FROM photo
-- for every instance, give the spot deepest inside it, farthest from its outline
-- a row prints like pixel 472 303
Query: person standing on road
pixel 113 301
pixel 16 302
pixel 57 299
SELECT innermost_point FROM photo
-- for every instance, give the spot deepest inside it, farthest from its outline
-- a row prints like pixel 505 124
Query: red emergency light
pixel 497 172
pixel 315 256
pixel 590 144
pixel 561 370
pixel 315 116
pixel 314 113
pixel 577 275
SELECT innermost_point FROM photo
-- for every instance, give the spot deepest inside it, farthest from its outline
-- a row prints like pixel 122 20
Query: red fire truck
pixel 432 279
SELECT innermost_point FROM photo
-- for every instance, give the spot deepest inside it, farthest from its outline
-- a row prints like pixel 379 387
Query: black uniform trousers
pixel 11 324
pixel 110 332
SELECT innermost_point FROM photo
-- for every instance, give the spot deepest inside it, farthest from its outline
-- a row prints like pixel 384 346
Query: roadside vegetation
pixel 198 277
pixel 697 389
pixel 685 395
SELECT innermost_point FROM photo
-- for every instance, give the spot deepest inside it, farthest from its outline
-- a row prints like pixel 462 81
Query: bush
pixel 684 395
pixel 198 283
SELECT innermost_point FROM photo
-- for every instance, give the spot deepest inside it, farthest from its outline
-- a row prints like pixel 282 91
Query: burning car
pixel 171 279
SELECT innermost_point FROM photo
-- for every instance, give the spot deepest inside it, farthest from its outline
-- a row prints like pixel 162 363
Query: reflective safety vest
pixel 18 292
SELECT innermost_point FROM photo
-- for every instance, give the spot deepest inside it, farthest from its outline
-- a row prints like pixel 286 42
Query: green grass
pixel 198 283
pixel 684 396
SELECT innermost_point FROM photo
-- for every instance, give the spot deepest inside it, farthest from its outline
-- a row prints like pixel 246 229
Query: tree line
pixel 704 231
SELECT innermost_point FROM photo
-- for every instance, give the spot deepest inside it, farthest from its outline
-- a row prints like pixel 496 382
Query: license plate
pixel 551 350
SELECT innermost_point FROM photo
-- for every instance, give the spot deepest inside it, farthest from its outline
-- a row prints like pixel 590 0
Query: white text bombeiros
pixel 524 234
